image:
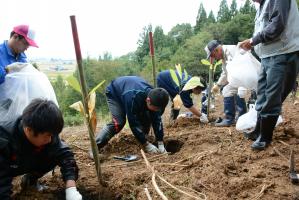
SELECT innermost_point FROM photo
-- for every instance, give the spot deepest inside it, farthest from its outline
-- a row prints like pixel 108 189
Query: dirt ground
pixel 206 163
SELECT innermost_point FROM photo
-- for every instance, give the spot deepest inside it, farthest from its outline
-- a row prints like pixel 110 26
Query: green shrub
pixel 73 120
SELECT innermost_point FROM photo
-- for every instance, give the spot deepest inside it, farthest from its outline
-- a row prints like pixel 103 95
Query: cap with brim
pixel 212 45
pixel 27 33
pixel 193 83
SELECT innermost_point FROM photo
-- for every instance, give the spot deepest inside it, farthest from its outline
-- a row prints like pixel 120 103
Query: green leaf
pixel 219 62
pixel 96 87
pixel 74 83
pixel 205 62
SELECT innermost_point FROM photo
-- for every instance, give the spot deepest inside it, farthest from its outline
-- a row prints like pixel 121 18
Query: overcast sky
pixel 103 25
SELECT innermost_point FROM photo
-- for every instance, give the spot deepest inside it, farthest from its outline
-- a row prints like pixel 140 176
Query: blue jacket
pixel 164 80
pixel 131 92
pixel 7 57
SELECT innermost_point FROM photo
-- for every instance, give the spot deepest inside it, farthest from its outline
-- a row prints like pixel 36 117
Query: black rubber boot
pixel 241 106
pixel 229 111
pixel 253 135
pixel 266 133
pixel 103 137
pixel 174 114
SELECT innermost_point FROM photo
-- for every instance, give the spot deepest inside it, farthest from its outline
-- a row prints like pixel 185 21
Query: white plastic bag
pixel 243 70
pixel 246 123
pixel 20 88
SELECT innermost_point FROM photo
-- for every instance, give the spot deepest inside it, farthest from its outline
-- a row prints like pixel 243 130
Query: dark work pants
pixel 275 82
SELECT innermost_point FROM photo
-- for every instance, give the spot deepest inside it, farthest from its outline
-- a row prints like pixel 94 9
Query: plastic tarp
pixel 243 70
pixel 20 88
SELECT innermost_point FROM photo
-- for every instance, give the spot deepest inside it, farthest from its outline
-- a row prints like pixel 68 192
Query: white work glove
pixel 150 148
pixel 72 193
pixel 161 147
pixel 215 89
pixel 204 118
pixel 15 67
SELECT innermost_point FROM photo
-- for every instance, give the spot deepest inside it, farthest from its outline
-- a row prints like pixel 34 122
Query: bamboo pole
pixel 151 44
pixel 85 99
pixel 211 70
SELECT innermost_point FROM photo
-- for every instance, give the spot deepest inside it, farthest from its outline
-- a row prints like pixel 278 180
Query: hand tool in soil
pixel 127 158
pixel 293 174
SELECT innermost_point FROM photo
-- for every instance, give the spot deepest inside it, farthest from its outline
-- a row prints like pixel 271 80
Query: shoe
pixel 224 123
pixel 260 145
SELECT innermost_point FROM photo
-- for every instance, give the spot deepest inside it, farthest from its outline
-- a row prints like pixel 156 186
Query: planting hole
pixel 173 146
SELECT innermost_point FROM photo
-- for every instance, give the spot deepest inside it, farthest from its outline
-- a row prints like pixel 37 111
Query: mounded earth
pixel 205 162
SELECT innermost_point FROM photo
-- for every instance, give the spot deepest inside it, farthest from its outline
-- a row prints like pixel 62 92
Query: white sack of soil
pixel 20 88
pixel 243 70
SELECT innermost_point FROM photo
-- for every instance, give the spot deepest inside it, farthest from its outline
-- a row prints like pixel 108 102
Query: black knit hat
pixel 159 97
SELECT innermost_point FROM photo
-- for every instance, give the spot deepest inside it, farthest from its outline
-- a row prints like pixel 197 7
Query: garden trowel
pixel 127 158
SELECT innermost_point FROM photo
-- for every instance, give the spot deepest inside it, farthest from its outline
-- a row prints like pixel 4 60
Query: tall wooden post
pixel 151 44
pixel 85 98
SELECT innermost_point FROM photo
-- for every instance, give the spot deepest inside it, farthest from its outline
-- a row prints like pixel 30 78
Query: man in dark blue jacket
pixel 133 97
pixel 30 145
pixel 12 50
pixel 180 87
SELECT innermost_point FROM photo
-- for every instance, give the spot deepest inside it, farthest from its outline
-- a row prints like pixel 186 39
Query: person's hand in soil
pixel 150 148
pixel 161 147
pixel 204 118
pixel 71 192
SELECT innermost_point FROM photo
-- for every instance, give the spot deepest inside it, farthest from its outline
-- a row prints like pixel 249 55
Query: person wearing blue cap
pixel 12 50
pixel 231 98
pixel 143 105
pixel 276 42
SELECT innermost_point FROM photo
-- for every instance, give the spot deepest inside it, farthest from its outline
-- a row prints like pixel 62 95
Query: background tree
pixel 248 8
pixel 143 46
pixel 224 14
pixel 211 18
pixel 233 8
pixel 201 18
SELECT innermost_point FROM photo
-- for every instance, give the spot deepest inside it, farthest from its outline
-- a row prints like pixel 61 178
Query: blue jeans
pixel 275 82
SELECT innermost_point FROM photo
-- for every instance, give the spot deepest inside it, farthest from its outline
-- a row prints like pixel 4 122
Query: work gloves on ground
pixel 215 89
pixel 204 118
pixel 150 148
pixel 72 193
pixel 161 147
pixel 15 67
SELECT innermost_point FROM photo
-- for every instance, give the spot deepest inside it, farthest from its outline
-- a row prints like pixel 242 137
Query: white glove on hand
pixel 15 67
pixel 72 193
pixel 150 148
pixel 215 89
pixel 204 118
pixel 161 147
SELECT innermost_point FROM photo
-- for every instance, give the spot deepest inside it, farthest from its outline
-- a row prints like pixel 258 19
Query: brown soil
pixel 206 161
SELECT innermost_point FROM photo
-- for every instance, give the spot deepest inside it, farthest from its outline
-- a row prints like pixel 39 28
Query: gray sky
pixel 103 25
